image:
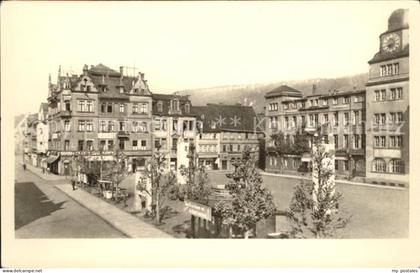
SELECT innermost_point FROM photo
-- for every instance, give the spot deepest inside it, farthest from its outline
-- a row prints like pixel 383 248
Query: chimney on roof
pixel 85 70
pixel 313 89
pixel 141 76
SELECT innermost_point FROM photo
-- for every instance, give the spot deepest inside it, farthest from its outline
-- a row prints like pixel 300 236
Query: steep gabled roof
pixel 221 117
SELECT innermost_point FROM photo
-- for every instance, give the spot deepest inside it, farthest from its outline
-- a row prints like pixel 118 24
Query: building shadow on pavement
pixel 32 204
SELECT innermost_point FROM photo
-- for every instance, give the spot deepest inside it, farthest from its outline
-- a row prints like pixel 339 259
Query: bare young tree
pixel 198 184
pixel 314 208
pixel 162 181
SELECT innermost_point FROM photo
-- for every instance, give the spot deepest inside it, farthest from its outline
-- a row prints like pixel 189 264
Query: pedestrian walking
pixel 24 166
pixel 73 182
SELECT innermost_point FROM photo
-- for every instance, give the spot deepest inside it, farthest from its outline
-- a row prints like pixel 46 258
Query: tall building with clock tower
pixel 387 110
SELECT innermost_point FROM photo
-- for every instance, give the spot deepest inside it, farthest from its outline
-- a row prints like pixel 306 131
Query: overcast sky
pixel 186 45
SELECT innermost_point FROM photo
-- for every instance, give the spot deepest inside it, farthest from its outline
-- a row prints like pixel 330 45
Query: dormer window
pixel 187 108
pixel 121 89
pixel 175 105
pixel 88 88
pixel 136 90
pixel 160 106
pixel 104 89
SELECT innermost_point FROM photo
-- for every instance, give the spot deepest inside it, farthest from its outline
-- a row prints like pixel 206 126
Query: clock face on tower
pixel 391 42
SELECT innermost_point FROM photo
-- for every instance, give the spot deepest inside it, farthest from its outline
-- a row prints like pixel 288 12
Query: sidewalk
pixel 123 221
pixel 45 176
pixel 336 181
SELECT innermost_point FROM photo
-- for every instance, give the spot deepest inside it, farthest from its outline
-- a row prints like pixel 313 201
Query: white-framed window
pixel 383 95
pixel 89 106
pixel 80 105
pixel 335 101
pixel 396 166
pixel 346 100
pixel 135 108
pixel 89 126
pixel 135 144
pixel 143 144
pixel 67 126
pixel 379 165
pixel 396 141
pixel 135 126
pixel 122 107
pixel 143 127
pixel 81 125
pixel 346 118
pixel 103 126
pixel 187 108
pixel 144 108
pixel 380 141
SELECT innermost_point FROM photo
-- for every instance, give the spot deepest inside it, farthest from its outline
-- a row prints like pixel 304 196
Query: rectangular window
pixel 89 145
pixel 66 145
pixel 89 126
pixel 346 100
pixel 335 118
pixel 336 141
pixel 164 143
pixel 174 143
pixel 122 126
pixel 175 125
pixel 102 145
pixel 286 122
pixel 335 101
pixel 103 126
pixel 356 140
pixel 376 118
pixel 103 107
pixel 191 125
pixel 316 119
pixel 345 165
pixel 399 117
pixel 110 144
pixel 67 126
pixel 383 95
pixel 377 95
pixel 122 107
pixel 135 126
pixel 346 118
pixel 224 148
pixel 325 118
pixel 80 105
pixel 109 108
pixel 383 141
pixel 144 108
pixel 80 145
pixel 143 144
pixel 157 142
pixel 122 144
pixel 89 106
pixel 383 118
pixel 111 126
pixel 135 108
pixel 396 141
pixel 134 144
pixel 346 141
pixel 81 126
pixel 356 116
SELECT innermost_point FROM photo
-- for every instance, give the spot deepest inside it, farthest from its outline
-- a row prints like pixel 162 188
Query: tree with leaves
pixel 162 181
pixel 314 208
pixel 250 202
pixel 198 186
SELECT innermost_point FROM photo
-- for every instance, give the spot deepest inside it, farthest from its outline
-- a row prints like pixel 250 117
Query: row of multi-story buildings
pixel 102 110
pixel 369 127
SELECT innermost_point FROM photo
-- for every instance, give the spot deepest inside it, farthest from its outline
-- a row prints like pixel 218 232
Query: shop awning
pixel 52 159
